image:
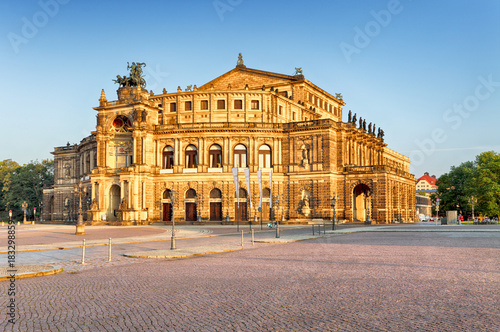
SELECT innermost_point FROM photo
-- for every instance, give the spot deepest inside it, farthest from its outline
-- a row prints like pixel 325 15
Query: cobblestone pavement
pixel 355 282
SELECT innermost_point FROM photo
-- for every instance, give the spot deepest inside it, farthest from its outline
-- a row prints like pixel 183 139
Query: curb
pixel 31 274
pixel 179 253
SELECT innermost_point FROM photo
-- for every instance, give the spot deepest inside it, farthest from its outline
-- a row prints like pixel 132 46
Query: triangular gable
pixel 239 77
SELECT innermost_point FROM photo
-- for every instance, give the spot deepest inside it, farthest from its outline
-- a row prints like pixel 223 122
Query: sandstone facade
pixel 147 145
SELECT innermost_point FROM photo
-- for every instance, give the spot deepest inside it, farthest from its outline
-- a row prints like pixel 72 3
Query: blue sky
pixel 426 72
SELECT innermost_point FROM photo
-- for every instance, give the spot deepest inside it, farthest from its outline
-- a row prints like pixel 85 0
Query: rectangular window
pixel 280 110
pixel 173 107
pixel 255 104
pixel 293 116
pixel 187 106
pixel 204 105
pixel 221 104
pixel 238 104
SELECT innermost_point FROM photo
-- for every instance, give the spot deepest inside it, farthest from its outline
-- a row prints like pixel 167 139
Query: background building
pixel 426 183
pixel 147 145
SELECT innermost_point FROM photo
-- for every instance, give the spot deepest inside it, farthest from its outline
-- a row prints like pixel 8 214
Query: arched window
pixel 215 193
pixel 191 156
pixel 265 160
pixel 240 156
pixel 242 193
pixel 121 124
pixel 215 156
pixel 191 193
pixel 168 157
pixel 166 194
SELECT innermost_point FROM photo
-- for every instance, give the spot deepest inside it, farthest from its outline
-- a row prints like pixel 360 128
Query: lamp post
pixel 25 207
pixel 41 211
pixel 173 196
pixel 277 219
pixel 199 203
pixel 332 204
pixel 472 201
pixel 80 190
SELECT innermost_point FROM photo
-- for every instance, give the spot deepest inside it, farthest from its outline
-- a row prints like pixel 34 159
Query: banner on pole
pixel 236 184
pixel 247 178
pixel 259 177
pixel 271 189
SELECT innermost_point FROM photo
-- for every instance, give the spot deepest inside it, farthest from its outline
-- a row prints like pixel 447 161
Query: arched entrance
pixel 190 205
pixel 166 206
pixel 360 202
pixel 215 205
pixel 114 202
pixel 241 208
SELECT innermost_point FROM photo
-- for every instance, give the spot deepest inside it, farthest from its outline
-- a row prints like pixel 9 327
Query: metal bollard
pixel 313 228
pixel 253 237
pixel 83 252
pixel 109 251
pixel 242 238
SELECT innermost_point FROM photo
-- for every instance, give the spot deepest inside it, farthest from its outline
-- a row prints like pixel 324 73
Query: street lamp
pixel 173 197
pixel 472 201
pixel 277 219
pixel 332 203
pixel 199 203
pixel 80 190
pixel 25 207
pixel 41 211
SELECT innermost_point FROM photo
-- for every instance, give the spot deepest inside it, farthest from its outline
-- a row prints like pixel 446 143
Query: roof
pixel 431 180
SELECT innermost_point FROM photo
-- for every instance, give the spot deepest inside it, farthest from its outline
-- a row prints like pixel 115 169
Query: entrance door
pixel 215 211
pixel 191 212
pixel 167 212
pixel 241 211
pixel 360 197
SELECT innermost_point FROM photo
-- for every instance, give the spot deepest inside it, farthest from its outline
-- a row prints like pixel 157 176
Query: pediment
pixel 239 77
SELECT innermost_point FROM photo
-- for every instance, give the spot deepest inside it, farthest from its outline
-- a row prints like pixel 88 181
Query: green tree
pixel 456 186
pixel 7 167
pixel 26 183
pixel 479 178
pixel 488 183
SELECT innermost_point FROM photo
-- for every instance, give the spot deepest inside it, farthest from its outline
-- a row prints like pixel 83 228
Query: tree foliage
pixel 479 179
pixel 24 183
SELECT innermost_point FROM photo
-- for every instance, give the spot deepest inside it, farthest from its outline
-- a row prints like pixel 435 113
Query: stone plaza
pixel 357 278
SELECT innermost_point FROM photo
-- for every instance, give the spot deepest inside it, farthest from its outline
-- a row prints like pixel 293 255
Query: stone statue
pixel 189 88
pixel 338 96
pixel 305 206
pixel 94 205
pixel 382 134
pixel 240 61
pixel 364 125
pixel 304 156
pixel 360 123
pixel 135 78
pixel 298 70
pixel 349 117
pixel 370 128
pixel 354 118
pixel 373 129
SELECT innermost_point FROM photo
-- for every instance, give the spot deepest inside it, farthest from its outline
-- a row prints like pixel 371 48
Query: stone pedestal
pixel 80 230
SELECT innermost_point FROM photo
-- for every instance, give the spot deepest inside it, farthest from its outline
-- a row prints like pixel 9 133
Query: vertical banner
pixel 271 189
pixel 259 177
pixel 236 184
pixel 247 178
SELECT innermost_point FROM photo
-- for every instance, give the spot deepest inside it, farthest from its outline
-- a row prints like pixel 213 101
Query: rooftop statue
pixel 298 71
pixel 135 79
pixel 240 62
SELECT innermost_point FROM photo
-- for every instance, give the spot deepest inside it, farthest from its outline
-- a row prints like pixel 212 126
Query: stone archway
pixel 360 201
